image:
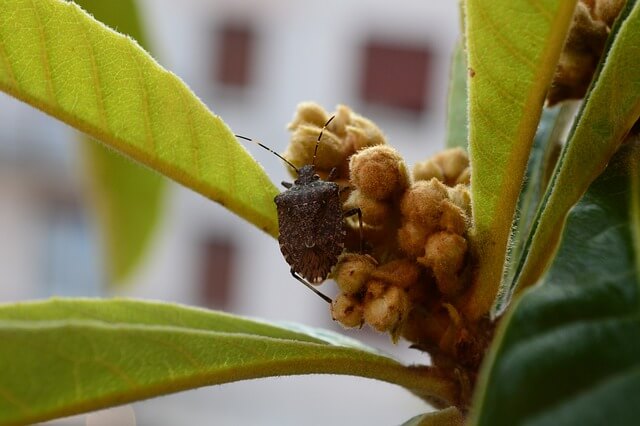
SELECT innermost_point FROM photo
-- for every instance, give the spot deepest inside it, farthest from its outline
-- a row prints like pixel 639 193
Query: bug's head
pixel 307 174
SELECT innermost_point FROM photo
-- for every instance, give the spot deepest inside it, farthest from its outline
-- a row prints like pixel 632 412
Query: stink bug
pixel 311 222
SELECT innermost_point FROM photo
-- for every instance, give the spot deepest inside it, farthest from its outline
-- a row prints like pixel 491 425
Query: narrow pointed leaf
pixel 513 47
pixel 57 58
pixel 72 356
pixel 544 153
pixel 568 353
pixel 127 197
pixel 611 108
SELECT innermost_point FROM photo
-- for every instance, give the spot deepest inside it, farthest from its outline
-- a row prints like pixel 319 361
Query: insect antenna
pixel 271 151
pixel 315 151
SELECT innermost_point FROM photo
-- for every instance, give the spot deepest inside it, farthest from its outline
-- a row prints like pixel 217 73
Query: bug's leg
pixel 312 288
pixel 359 213
pixel 286 184
pixel 333 174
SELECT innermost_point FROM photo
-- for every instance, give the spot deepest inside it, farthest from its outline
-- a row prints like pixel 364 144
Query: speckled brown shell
pixel 312 230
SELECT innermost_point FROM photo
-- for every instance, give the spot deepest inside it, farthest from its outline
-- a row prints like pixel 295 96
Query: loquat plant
pixel 511 258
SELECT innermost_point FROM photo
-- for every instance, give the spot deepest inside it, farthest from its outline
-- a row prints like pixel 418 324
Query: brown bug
pixel 311 222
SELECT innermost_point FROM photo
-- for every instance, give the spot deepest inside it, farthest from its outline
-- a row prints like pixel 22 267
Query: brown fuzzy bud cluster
pixel 592 22
pixel 433 231
pixel 416 235
pixel 416 263
pixel 347 133
pixel 373 294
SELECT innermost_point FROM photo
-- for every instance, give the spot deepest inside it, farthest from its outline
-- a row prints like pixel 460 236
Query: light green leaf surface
pixel 568 352
pixel 127 197
pixel 60 60
pixel 72 356
pixel 513 47
pixel 611 108
pixel 457 106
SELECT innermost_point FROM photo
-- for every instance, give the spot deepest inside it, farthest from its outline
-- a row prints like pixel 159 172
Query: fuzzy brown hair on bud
pixel 352 272
pixel 453 162
pixel 303 143
pixel 379 172
pixel 421 202
pixel 453 218
pixel 427 170
pixel 348 311
pixel 412 237
pixel 387 310
pixel 401 273
pixel 308 113
pixel 445 255
pixel 374 212
pixel 580 56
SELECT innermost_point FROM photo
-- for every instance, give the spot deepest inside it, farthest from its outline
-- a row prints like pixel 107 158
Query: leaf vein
pixel 44 56
pixel 95 76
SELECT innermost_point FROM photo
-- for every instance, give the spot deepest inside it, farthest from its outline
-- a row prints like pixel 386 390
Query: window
pixel 396 75
pixel 235 53
pixel 216 271
pixel 71 254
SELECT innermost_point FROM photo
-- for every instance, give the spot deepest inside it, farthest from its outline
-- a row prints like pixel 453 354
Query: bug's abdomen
pixel 312 232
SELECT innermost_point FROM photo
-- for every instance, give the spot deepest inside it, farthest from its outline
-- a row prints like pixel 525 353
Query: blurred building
pixel 251 61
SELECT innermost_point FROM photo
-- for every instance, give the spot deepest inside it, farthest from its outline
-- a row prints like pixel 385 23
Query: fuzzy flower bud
pixel 386 312
pixel 308 113
pixel 421 202
pixel 352 271
pixel 445 254
pixel 607 10
pixel 401 273
pixel 412 237
pixel 452 162
pixel 374 212
pixel 363 133
pixel 378 172
pixel 348 311
pixel 427 170
pixel 460 196
pixel 579 57
pixel 341 120
pixel 465 177
pixel 453 218
pixel 303 143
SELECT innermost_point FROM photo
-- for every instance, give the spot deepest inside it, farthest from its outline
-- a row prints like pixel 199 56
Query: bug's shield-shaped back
pixel 312 230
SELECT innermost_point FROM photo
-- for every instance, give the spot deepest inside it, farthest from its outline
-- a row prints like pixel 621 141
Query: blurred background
pixel 252 62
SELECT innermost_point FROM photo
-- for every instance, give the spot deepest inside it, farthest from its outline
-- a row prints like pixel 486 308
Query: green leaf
pixel 568 353
pixel 57 58
pixel 611 108
pixel 457 118
pixel 513 47
pixel 65 357
pixel 127 197
pixel 544 153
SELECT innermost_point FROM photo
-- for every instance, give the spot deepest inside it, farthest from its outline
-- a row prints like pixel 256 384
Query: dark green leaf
pixel 568 352
pixel 608 112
